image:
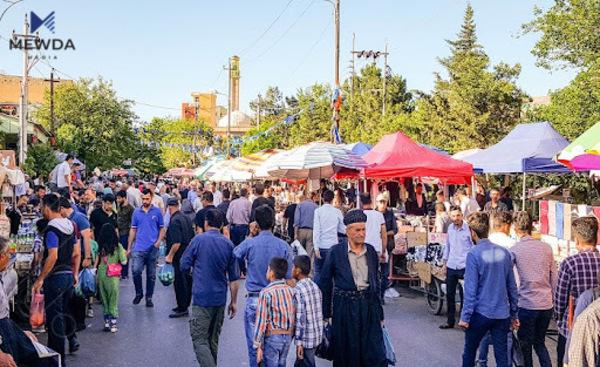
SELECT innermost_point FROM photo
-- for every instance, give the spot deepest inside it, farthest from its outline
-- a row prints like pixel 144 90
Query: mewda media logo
pixel 37 22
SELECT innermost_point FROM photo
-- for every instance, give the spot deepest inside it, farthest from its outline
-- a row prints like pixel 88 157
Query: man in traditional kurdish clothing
pixel 354 304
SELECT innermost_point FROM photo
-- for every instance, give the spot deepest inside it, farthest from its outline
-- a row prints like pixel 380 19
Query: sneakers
pixel 106 323
pixel 90 313
pixel 149 302
pixel 113 325
pixel 138 299
pixel 178 314
pixel 73 345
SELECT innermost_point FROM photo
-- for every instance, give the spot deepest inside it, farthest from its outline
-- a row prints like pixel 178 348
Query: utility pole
pixel 52 81
pixel 24 97
pixel 353 70
pixel 337 43
pixel 385 67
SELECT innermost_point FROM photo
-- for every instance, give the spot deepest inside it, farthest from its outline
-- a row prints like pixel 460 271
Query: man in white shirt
pixel 376 233
pixel 134 196
pixel 468 204
pixel 217 195
pixel 157 200
pixel 62 173
pixel 328 222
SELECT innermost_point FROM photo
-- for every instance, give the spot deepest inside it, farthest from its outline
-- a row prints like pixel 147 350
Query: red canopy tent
pixel 396 156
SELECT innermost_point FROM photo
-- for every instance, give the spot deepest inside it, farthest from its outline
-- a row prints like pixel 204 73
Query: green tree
pixel 474 106
pixel 361 118
pixel 569 39
pixel 569 34
pixel 41 160
pixel 91 121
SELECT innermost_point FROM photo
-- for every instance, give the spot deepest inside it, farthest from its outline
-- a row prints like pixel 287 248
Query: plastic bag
pixel 388 347
pixel 517 352
pixel 166 274
pixel 162 251
pixel 298 249
pixel 324 349
pixel 37 315
pixel 87 281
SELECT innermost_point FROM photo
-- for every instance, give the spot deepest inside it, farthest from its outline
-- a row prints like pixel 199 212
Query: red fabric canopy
pixel 397 156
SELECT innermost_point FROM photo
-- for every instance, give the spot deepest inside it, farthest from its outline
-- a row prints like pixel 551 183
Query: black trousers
pixel 182 282
pixel 77 309
pixel 560 349
pixel 19 346
pixel 452 277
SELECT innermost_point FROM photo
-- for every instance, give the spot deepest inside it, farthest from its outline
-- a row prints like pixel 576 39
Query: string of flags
pixel 217 139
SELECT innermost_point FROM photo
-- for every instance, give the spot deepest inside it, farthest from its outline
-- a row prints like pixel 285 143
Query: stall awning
pixel 528 148
pixel 396 155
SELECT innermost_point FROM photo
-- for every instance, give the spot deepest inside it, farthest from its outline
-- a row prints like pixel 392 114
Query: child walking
pixel 110 252
pixel 309 313
pixel 274 317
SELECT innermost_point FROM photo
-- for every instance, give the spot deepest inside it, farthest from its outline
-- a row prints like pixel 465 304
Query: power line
pixel 308 53
pixel 266 30
pixel 284 33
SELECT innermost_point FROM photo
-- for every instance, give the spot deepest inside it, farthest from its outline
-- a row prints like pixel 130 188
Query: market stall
pixel 528 148
pixel 397 157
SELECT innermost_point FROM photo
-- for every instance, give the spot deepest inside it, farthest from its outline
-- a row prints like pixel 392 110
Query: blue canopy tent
pixel 435 149
pixel 528 148
pixel 359 148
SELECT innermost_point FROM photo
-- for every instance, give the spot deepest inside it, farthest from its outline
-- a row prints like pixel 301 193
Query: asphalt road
pixel 147 337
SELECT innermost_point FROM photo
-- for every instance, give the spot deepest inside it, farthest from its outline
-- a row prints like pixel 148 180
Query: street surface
pixel 147 337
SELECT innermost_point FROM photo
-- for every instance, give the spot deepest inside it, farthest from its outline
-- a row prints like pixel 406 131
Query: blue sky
pixel 158 52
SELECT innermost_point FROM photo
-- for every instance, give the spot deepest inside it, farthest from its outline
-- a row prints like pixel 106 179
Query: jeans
pixel 478 327
pixel 275 350
pixel 452 277
pixel 385 276
pixel 78 308
pixel 319 263
pixel 560 349
pixel 485 346
pixel 532 334
pixel 139 259
pixel 182 283
pixel 238 233
pixel 309 359
pixel 57 293
pixel 249 320
pixel 205 327
pixel 124 268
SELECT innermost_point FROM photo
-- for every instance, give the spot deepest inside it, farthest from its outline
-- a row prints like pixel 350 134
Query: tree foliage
pixel 570 34
pixel 41 160
pixel 474 106
pixel 92 122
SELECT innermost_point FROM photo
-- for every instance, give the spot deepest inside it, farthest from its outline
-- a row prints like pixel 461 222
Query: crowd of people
pixel 216 235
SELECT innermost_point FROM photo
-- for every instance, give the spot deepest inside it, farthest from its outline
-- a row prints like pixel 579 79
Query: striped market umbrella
pixel 315 160
pixel 251 162
pixel 584 153
pixel 180 172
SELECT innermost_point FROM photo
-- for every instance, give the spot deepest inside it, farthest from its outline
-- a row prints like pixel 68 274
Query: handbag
pixel 390 354
pixel 517 352
pixel 324 350
pixel 114 270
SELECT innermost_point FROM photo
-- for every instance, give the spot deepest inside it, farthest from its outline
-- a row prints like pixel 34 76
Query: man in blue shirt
pixel 211 255
pixel 143 246
pixel 328 222
pixel 458 244
pixel 304 220
pixel 258 251
pixel 490 297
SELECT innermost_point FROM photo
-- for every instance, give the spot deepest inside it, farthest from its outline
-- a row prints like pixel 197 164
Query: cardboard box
pixel 424 271
pixel 416 239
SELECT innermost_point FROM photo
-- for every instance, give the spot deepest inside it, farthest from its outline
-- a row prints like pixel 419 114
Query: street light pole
pixel 229 112
pixel 337 42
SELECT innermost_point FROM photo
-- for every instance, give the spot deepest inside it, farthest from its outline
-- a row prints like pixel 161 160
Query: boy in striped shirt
pixel 309 313
pixel 274 324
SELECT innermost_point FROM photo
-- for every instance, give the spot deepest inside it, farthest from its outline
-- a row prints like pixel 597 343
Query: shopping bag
pixel 87 280
pixel 298 249
pixel 517 352
pixel 36 311
pixel 166 274
pixel 324 349
pixel 388 347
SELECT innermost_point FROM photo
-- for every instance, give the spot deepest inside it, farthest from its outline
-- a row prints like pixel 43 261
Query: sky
pixel 158 52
